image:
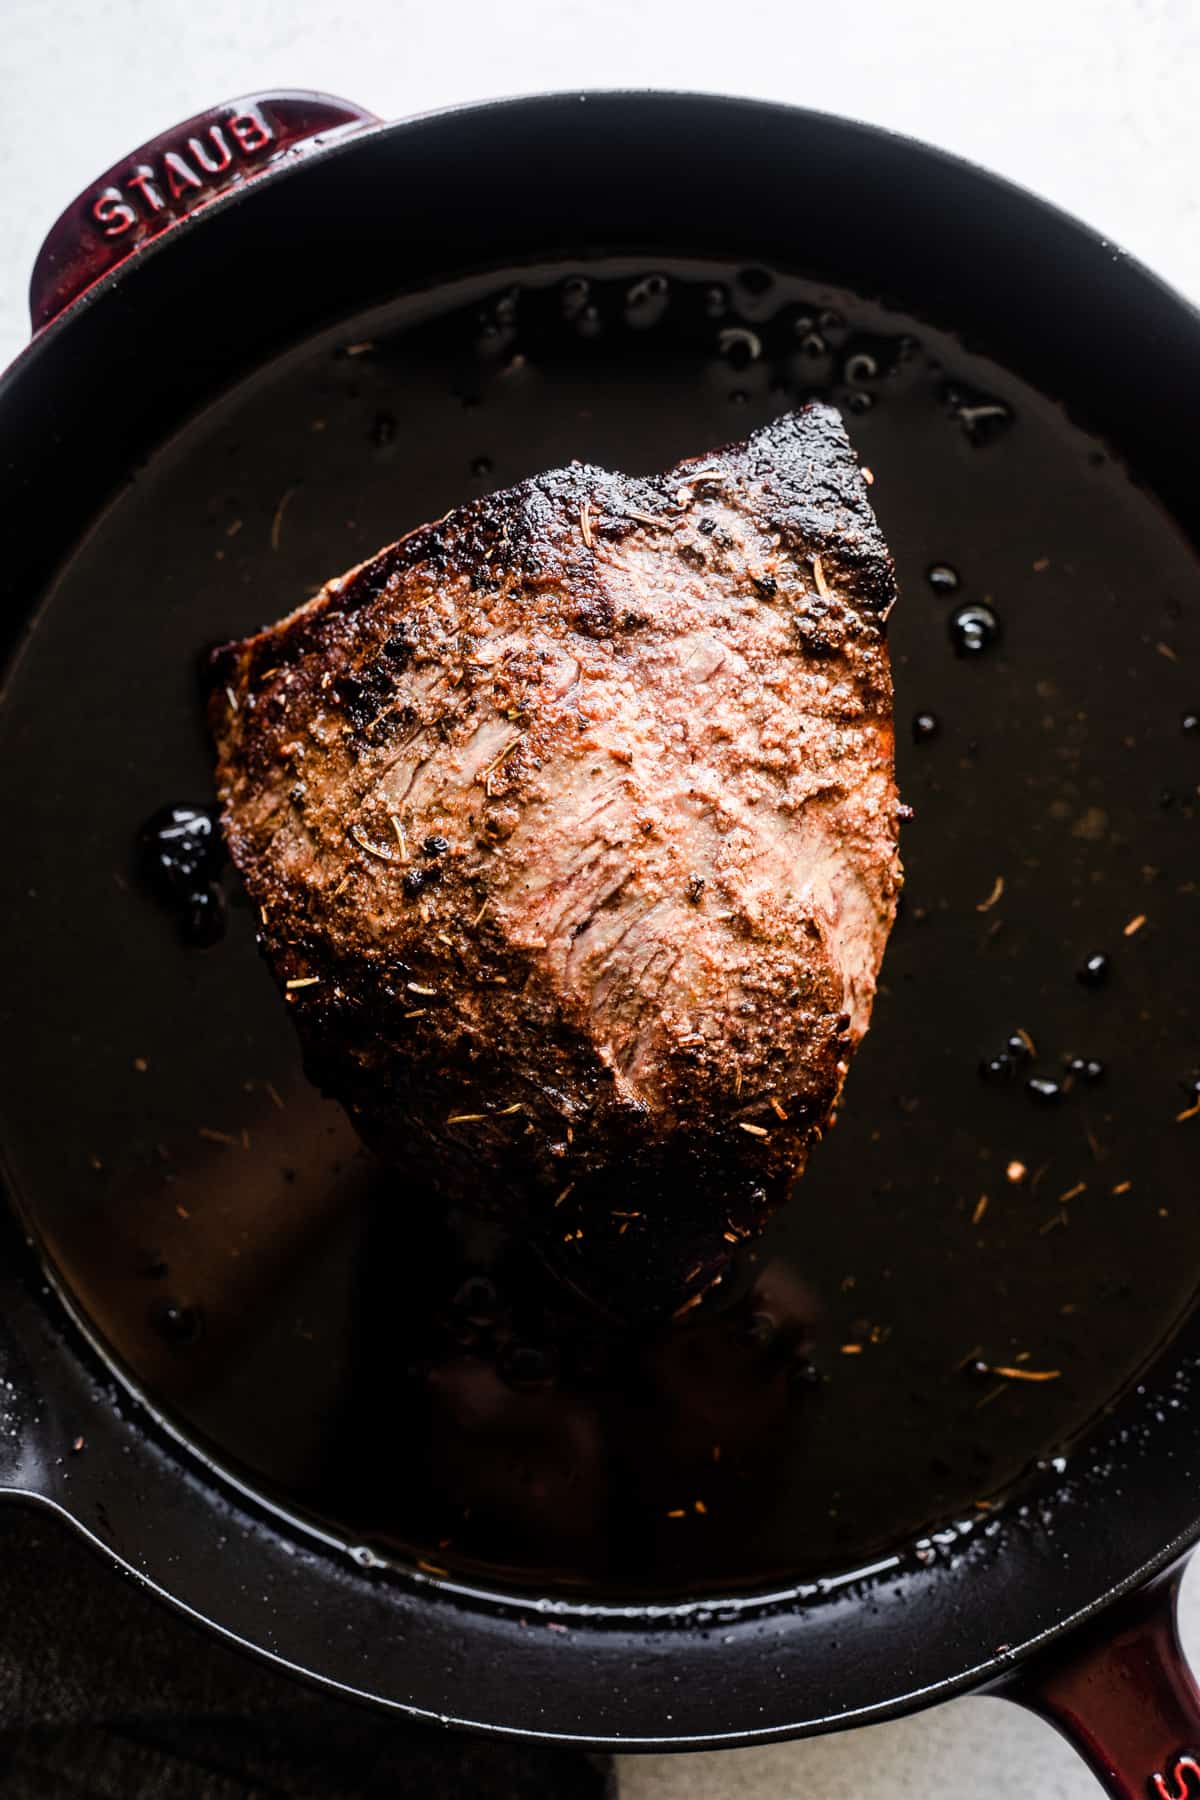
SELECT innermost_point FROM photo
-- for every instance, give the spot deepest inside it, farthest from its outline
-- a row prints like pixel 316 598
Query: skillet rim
pixel 878 141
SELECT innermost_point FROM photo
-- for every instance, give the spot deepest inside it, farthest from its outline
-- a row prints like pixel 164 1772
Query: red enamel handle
pixel 173 176
pixel 1124 1696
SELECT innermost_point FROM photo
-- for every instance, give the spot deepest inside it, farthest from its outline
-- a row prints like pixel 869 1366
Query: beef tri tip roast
pixel 571 824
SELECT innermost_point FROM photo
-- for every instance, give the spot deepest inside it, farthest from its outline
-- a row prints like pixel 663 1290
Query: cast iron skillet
pixel 407 1457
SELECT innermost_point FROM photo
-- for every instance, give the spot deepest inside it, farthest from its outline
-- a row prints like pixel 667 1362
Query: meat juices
pixel 572 826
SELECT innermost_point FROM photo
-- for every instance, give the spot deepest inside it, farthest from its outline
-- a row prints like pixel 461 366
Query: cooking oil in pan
pixel 994 1239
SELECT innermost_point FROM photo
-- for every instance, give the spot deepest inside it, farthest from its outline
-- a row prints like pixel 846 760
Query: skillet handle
pixel 174 175
pixel 1124 1697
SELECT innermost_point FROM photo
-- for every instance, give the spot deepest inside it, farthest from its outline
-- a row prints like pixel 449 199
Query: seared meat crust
pixel 572 825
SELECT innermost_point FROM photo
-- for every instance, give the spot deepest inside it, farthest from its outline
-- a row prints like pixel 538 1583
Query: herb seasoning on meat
pixel 642 735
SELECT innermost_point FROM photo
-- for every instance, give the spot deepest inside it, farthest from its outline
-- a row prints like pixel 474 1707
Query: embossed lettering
pixel 1183 1786
pixel 251 131
pixel 220 145
pixel 143 180
pixel 113 214
pixel 180 176
pixel 169 186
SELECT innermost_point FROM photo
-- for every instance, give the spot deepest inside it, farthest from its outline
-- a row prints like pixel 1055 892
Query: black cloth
pixel 105 1694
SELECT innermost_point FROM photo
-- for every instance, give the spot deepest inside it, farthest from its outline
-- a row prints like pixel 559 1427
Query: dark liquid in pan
pixel 425 1384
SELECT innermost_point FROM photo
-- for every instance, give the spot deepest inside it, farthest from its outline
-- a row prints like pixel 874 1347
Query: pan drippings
pixel 993 1240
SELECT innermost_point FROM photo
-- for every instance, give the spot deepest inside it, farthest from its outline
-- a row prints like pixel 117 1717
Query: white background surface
pixel 1090 102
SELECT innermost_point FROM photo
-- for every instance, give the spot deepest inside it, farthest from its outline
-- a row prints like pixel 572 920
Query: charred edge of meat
pixel 812 494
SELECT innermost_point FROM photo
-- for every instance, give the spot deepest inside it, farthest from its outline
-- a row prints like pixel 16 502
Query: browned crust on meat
pixel 700 659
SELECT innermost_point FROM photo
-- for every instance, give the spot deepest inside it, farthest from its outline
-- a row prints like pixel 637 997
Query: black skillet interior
pixel 423 1384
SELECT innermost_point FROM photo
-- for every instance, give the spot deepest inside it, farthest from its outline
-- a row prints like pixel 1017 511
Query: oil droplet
pixel 383 430
pixel 716 302
pixel 814 344
pixel 1018 1048
pixel 981 416
pixel 974 629
pixel 859 401
pixel 925 726
pixel 1086 1068
pixel 943 578
pixel 1043 1090
pixel 181 855
pixel 1095 969
pixel 646 301
pixel 862 366
pixel 1191 724
pixel 762 1328
pixel 478 1299
pixel 755 281
pixel 739 346
pixel 575 293
pixel 996 1069
pixel 527 1365
pixel 176 1322
pixel 589 324
pixel 366 1558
